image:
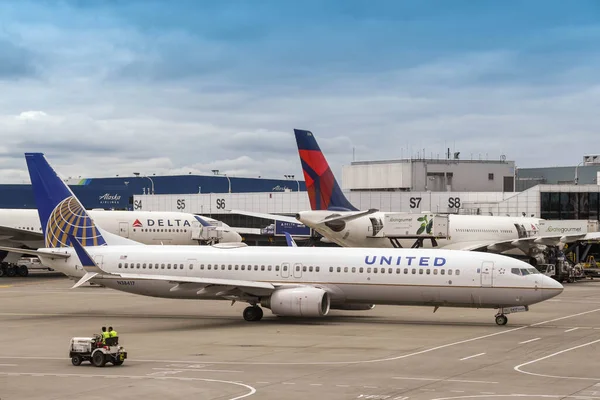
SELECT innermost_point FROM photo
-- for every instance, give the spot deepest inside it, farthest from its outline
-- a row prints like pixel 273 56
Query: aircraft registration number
pixel 126 283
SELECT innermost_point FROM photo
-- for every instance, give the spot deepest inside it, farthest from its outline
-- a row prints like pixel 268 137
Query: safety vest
pixel 113 333
pixel 105 335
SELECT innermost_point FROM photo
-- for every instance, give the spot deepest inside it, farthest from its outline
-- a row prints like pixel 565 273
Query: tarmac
pixel 205 350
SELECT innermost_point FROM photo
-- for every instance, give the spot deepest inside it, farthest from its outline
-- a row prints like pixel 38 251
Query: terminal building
pixel 435 175
pixel 484 187
pixel 117 193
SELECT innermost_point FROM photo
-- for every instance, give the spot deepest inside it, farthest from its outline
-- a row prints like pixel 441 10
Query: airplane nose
pixel 551 288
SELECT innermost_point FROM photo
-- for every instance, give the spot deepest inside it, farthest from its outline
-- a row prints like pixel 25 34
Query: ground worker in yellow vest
pixel 105 335
pixel 113 334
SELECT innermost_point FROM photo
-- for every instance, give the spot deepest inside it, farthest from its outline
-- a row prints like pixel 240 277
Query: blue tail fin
pixel 323 190
pixel 61 213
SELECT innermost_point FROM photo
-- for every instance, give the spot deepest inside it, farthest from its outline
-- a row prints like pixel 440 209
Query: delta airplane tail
pixel 61 213
pixel 323 190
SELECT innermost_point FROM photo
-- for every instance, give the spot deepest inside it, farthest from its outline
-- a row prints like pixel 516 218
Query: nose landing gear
pixel 501 318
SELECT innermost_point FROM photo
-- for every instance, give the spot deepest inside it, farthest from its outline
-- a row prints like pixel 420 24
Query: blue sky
pixel 111 87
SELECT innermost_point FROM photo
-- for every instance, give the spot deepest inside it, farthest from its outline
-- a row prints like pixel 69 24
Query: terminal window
pixel 564 205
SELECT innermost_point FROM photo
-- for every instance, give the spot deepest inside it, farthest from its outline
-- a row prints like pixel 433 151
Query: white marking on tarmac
pixel 547 396
pixel 337 362
pixel 518 367
pixel 8 365
pixel 440 380
pixel 530 340
pixel 571 330
pixel 473 356
pixel 199 370
pixel 250 393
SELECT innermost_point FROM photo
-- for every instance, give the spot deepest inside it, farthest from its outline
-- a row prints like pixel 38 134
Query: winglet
pixel 88 264
pixel 290 241
pixel 84 279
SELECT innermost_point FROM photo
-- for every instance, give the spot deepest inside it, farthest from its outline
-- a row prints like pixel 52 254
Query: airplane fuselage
pixel 350 276
pixel 147 227
pixel 463 229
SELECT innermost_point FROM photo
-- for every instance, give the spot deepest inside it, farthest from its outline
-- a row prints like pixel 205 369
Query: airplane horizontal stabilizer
pixel 35 252
pixel 347 218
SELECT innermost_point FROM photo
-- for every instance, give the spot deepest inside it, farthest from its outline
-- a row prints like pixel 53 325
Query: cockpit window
pixel 516 271
pixel 533 271
pixel 524 271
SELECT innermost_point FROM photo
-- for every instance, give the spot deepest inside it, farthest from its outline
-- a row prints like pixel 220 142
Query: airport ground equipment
pixel 22 267
pixel 562 271
pixel 94 350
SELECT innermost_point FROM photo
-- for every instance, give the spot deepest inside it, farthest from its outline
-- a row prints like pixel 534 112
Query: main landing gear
pixel 253 313
pixel 501 319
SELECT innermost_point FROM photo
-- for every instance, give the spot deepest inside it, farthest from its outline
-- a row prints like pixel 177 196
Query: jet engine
pixel 353 307
pixel 298 302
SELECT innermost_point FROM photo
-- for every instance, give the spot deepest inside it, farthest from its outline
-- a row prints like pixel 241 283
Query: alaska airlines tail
pixel 323 190
pixel 61 213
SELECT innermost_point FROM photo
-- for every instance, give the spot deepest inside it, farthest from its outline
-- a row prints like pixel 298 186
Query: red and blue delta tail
pixel 323 190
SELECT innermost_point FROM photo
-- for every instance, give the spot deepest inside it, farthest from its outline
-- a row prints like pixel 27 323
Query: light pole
pixel 216 172
pixel 146 176
pixel 577 173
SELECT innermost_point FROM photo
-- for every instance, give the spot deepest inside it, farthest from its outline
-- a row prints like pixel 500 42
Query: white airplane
pixel 334 217
pixel 291 281
pixel 21 227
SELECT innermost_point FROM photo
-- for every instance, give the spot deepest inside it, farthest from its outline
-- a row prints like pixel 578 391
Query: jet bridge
pixel 207 233
pixel 420 227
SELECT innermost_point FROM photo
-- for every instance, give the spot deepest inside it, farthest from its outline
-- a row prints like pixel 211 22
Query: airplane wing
pixel 219 287
pixel 20 235
pixel 522 243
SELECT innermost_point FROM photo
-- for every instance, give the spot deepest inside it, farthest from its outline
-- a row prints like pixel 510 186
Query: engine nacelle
pixel 353 307
pixel 298 302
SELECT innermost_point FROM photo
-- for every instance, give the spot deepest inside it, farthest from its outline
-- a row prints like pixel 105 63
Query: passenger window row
pixel 221 267
pixel 160 230
pixel 149 266
pixel 413 271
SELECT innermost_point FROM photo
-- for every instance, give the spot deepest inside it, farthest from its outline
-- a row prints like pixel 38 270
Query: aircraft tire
pixel 11 271
pixel 2 271
pixel 253 313
pixel 22 270
pixel 501 320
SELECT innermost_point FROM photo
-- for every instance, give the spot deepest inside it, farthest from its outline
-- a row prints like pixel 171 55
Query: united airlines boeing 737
pixel 291 281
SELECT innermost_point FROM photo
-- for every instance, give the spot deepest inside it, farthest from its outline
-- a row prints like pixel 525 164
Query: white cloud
pixel 105 112
pixel 32 115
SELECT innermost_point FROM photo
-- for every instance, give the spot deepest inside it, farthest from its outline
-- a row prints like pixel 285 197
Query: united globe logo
pixel 70 218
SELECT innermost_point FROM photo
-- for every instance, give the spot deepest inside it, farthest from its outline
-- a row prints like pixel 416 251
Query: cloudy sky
pixel 112 87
